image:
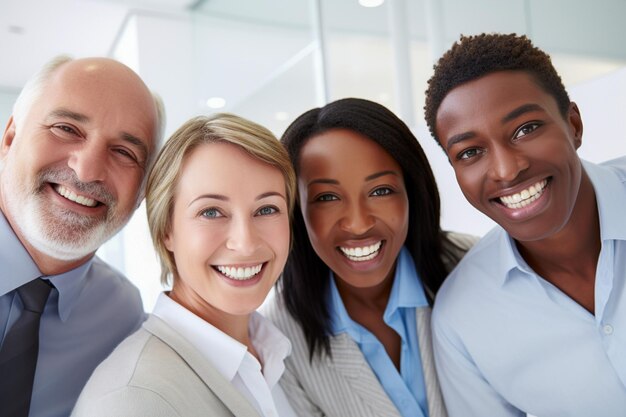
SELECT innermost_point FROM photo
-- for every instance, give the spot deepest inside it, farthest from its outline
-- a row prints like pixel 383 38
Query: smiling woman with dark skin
pixel 368 256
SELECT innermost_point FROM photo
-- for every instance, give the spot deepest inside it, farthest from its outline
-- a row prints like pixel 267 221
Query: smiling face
pixel 74 163
pixel 354 205
pixel 229 231
pixel 513 152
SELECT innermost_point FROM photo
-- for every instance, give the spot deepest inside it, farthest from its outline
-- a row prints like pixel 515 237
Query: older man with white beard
pixel 74 157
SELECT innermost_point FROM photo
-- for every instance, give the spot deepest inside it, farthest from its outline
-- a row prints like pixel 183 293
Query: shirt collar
pixel 340 321
pixel 406 292
pixel 222 351
pixel 70 285
pixel 505 257
pixel 271 345
pixel 19 268
pixel 610 196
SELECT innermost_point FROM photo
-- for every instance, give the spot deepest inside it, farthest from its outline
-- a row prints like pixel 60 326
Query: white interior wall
pixel 7 98
pixel 602 104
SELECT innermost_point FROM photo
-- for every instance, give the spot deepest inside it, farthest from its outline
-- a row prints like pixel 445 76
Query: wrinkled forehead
pixel 108 95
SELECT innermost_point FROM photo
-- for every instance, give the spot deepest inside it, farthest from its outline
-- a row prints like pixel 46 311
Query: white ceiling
pixel 33 31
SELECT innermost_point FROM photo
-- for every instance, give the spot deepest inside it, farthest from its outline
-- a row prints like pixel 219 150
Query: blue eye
pixel 211 213
pixel 382 191
pixel 267 210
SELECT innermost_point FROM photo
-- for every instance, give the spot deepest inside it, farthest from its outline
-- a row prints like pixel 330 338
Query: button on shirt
pixel 232 359
pixel 508 342
pixel 89 311
pixel 405 389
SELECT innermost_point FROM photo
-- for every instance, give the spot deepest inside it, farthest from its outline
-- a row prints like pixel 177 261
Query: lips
pixel 524 197
pixel 239 273
pixel 76 198
pixel 361 253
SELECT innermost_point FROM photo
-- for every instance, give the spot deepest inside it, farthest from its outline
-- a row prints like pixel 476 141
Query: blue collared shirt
pixel 405 389
pixel 507 342
pixel 89 311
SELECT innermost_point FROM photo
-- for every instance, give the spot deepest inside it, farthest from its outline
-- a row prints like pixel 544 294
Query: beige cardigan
pixel 157 373
pixel 346 386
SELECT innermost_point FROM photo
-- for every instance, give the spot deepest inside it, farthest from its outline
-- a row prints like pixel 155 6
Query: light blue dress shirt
pixel 508 342
pixel 405 389
pixel 91 309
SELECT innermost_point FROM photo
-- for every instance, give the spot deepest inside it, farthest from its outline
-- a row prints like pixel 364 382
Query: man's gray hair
pixel 34 87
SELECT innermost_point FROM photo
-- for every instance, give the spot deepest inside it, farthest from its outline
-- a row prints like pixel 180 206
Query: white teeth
pixel 363 253
pixel 525 197
pixel 72 196
pixel 239 273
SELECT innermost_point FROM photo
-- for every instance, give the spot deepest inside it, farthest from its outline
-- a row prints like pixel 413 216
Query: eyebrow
pixel 323 181
pixel 368 178
pixel 212 196
pixel 82 118
pixel 79 117
pixel 458 138
pixel 225 198
pixel 526 108
pixel 271 194
pixel 380 174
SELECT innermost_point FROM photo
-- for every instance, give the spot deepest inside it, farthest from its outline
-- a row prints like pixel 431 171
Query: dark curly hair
pixel 475 56
pixel 305 281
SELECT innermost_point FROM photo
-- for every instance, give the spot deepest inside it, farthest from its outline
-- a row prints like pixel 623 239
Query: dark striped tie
pixel 18 355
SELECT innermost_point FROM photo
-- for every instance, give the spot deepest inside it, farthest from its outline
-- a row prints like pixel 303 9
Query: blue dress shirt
pixel 405 389
pixel 507 342
pixel 89 311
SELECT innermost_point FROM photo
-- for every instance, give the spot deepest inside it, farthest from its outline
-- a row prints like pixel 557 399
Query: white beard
pixel 60 234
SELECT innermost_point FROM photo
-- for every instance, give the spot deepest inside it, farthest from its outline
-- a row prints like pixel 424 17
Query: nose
pixel 358 219
pixel 506 163
pixel 243 237
pixel 89 162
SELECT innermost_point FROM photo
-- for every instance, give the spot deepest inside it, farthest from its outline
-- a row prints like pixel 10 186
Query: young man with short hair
pixel 533 319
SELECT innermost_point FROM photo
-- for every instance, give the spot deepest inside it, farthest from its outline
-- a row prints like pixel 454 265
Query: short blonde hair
pixel 254 139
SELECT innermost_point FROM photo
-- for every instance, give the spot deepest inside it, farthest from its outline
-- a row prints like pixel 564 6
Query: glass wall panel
pixel 257 57
pixel 360 57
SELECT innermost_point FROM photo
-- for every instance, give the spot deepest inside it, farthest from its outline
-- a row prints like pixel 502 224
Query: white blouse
pixel 232 359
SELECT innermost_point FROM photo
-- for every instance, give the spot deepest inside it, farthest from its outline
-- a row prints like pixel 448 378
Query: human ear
pixel 576 124
pixel 8 136
pixel 168 241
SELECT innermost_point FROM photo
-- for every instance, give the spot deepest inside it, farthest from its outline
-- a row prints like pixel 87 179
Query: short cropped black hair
pixel 473 57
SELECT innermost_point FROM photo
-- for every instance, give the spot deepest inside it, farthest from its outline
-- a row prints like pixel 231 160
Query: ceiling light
pixel 216 102
pixel 281 115
pixel 371 3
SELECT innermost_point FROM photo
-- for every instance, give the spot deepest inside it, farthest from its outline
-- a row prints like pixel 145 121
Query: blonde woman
pixel 219 201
